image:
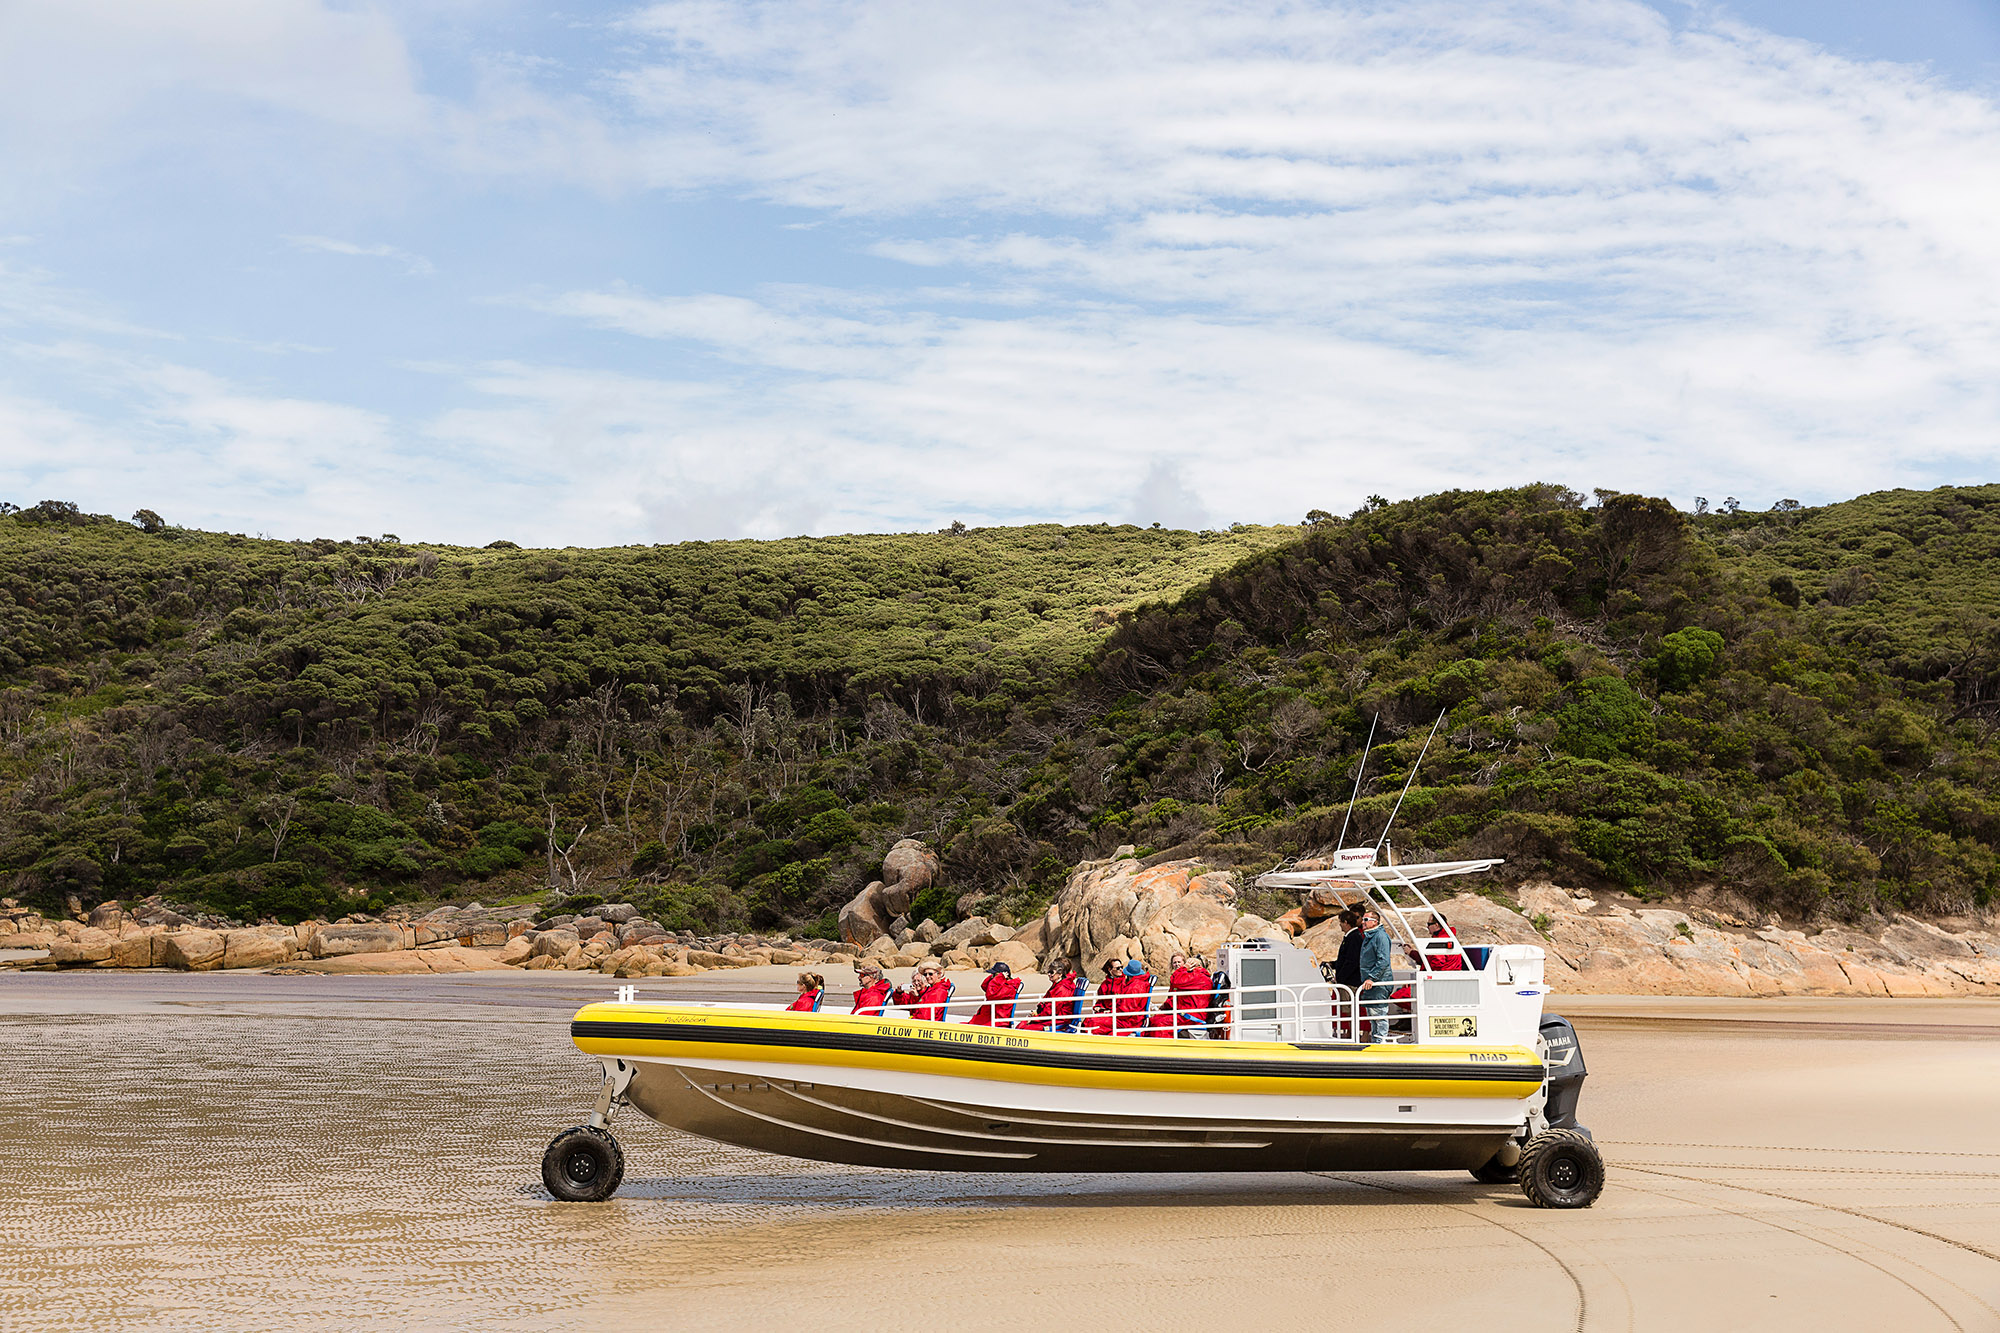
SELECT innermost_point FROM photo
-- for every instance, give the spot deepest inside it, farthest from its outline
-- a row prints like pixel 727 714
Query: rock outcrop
pixel 908 869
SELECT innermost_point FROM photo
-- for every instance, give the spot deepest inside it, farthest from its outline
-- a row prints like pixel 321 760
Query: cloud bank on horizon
pixel 740 269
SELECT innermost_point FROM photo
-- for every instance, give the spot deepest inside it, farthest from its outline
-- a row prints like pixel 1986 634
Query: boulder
pixel 908 869
pixel 963 935
pixel 337 941
pixel 134 950
pixel 88 945
pixel 992 934
pixel 879 947
pixel 1121 899
pixel 617 913
pixel 483 935
pixel 959 960
pixel 1015 955
pixel 552 944
pixel 106 916
pixel 1034 936
pixel 516 951
pixel 929 930
pixel 706 958
pixel 191 949
pixel 864 918
pixel 257 948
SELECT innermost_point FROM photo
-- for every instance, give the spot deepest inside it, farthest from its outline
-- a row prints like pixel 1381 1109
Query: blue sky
pixel 615 273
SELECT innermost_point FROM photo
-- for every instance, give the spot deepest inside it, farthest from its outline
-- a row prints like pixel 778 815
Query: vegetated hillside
pixel 266 726
pixel 1800 703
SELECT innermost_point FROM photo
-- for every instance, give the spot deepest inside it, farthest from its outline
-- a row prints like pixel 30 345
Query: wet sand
pixel 232 1151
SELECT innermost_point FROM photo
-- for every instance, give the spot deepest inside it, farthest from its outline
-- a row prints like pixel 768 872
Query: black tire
pixel 1495 1174
pixel 583 1165
pixel 1561 1168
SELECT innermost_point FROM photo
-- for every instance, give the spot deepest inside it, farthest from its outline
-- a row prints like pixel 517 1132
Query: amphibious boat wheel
pixel 583 1165
pixel 1561 1168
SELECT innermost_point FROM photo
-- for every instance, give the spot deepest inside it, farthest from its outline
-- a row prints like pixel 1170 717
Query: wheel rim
pixel 1565 1174
pixel 580 1167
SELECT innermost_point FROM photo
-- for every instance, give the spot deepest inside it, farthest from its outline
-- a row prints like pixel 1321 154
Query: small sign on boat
pixel 1448 1026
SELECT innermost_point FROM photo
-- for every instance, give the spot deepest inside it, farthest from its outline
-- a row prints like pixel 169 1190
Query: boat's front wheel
pixel 583 1165
pixel 1561 1168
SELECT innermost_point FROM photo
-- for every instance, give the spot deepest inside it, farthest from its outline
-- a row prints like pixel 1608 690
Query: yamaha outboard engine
pixel 1566 1072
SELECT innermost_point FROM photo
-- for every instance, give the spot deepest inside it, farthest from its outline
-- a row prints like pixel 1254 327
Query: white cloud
pixel 416 265
pixel 1184 258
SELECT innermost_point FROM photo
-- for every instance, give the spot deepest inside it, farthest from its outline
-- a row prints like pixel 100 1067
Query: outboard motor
pixel 1566 1072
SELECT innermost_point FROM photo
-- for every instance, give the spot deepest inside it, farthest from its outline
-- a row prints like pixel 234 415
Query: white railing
pixel 1321 1011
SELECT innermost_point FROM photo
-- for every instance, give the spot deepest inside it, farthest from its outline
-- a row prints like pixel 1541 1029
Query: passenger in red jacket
pixel 871 990
pixel 1450 961
pixel 1060 1008
pixel 812 989
pixel 1108 991
pixel 1000 987
pixel 927 993
pixel 1135 1000
pixel 1187 993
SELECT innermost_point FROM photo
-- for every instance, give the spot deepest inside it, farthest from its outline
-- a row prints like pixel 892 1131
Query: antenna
pixel 1407 781
pixel 1342 840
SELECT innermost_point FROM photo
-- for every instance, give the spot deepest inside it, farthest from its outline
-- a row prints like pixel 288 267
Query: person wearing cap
pixel 928 992
pixel 1187 996
pixel 1135 999
pixel 871 989
pixel 1000 987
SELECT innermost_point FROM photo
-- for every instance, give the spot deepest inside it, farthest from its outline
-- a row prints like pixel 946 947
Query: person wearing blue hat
pixel 1135 998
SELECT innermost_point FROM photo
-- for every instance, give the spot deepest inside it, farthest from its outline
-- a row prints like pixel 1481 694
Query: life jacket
pixel 1446 962
pixel 1188 992
pixel 928 1005
pixel 1108 990
pixel 1135 998
pixel 808 1001
pixel 869 999
pixel 998 988
pixel 1059 1007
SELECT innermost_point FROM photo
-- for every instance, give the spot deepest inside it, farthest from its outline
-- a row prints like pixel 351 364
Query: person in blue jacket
pixel 1378 980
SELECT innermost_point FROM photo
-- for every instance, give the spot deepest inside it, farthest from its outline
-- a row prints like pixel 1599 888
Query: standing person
pixel 871 990
pixel 812 989
pixel 1187 992
pixel 1000 987
pixel 1347 964
pixel 927 994
pixel 1377 978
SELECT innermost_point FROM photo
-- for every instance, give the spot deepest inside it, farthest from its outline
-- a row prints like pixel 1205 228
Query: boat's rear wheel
pixel 583 1164
pixel 1561 1168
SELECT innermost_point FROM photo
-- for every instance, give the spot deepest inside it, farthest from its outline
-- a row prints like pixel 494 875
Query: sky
pixel 464 270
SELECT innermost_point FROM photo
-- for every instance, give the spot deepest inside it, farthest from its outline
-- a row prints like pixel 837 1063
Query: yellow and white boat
pixel 1482 1081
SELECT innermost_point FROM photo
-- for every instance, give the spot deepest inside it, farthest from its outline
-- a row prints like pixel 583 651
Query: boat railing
pixel 1320 1011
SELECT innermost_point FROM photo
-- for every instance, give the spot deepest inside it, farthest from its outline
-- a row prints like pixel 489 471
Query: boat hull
pixel 937 1096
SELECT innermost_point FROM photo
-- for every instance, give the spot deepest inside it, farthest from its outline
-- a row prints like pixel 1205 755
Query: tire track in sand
pixel 1575 1282
pixel 1762 1220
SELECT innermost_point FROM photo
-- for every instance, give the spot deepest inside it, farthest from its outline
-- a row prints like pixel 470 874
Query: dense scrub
pixel 1800 702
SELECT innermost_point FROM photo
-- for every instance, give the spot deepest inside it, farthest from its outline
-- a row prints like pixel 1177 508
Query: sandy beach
pixel 240 1151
